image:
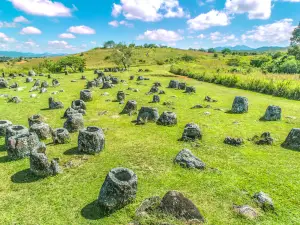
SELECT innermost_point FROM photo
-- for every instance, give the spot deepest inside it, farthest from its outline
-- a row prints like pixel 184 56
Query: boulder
pixel 4 124
pixel 191 132
pixel 55 83
pixel 173 84
pixel 37 83
pixel 15 99
pixel 29 80
pixel 161 92
pixel 74 122
pixel 157 84
pixel 167 119
pixel 148 206
pixel 31 73
pixel 130 107
pixel 91 140
pixel 264 201
pixel 34 88
pixel 190 89
pixel 40 166
pixel 107 85
pixel 131 77
pixel 140 78
pixel 155 99
pixel 209 99
pixel 69 111
pixel 182 86
pixel 154 89
pixel 43 90
pixel 86 95
pixel 273 113
pixel 186 159
pixel 60 136
pixel 78 104
pixel 91 84
pixel 21 145
pixel 121 96
pixel 240 105
pixel 245 211
pixel 44 84
pixel 114 80
pixel 233 141
pixel 37 118
pixel 14 130
pixel 42 130
pixel 14 85
pixel 148 114
pixel 293 140
pixel 175 204
pixel 264 139
pixel 118 190
pixel 55 105
pixel 66 72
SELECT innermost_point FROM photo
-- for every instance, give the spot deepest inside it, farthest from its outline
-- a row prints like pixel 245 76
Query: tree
pixel 122 55
pixel 226 51
pixel 211 50
pixel 295 39
pixel 72 61
pixel 109 44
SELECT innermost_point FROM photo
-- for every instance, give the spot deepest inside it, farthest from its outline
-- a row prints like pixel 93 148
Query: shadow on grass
pixel 46 109
pixel 2 148
pixel 93 212
pixel 24 176
pixel 73 151
pixel 5 159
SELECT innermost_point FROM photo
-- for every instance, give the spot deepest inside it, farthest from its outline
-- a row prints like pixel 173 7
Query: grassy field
pixel 234 174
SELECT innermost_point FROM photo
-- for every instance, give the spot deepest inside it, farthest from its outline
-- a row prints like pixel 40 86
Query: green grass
pixel 149 151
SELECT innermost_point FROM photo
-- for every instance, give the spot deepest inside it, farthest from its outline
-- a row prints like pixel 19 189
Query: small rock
pixel 264 201
pixel 233 141
pixel 186 159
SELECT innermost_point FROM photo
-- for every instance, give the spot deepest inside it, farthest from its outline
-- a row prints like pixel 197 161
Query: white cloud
pixel 256 9
pixel 5 24
pixel 277 32
pixel 114 23
pixel 20 19
pixel 81 30
pixel 42 7
pixel 126 24
pixel 290 0
pixel 93 42
pixel 5 38
pixel 60 45
pixel 201 36
pixel 30 30
pixel 149 11
pixel 67 36
pixel 207 20
pixel 31 44
pixel 161 35
pixel 218 38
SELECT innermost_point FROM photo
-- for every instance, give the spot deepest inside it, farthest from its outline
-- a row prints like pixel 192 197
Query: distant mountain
pixel 13 54
pixel 247 48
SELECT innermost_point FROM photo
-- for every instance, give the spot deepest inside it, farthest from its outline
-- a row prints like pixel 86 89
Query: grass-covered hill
pixel 232 174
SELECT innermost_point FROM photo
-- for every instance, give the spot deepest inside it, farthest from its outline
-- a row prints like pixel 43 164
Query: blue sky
pixel 73 26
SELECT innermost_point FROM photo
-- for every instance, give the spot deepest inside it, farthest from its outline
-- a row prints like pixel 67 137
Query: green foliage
pixel 258 62
pixel 295 39
pixel 187 58
pixel 109 44
pixel 122 55
pixel 216 55
pixel 211 50
pixel 73 62
pixel 295 51
pixel 234 62
pixel 226 51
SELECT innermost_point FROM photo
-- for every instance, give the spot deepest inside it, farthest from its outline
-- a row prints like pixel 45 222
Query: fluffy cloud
pixel 277 32
pixel 81 30
pixel 5 24
pixel 149 11
pixel 67 36
pixel 218 38
pixel 116 23
pixel 59 45
pixel 161 35
pixel 30 30
pixel 291 0
pixel 201 36
pixel 207 20
pixel 5 38
pixel 256 9
pixel 20 19
pixel 42 7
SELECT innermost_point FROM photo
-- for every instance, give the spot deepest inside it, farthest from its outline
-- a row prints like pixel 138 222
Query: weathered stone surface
pixel 91 84
pixel 156 99
pixel 37 83
pixel 60 136
pixel 264 201
pixel 78 104
pixel 3 83
pixel 118 190
pixel 148 206
pixel 273 113
pixel 21 145
pixel 121 96
pixel 197 106
pixel 66 72
pixel 191 132
pixel 233 141
pixel 173 84
pixel 167 119
pixel 154 89
pixel 69 111
pixel 240 105
pixel 37 118
pixel 140 78
pixel 29 80
pixel 14 130
pixel 40 166
pixel 114 80
pixel 131 77
pixel 55 83
pixel 175 204
pixel 42 130
pixel 44 84
pixel 246 211
pixel 34 88
pixel 14 85
pixel 130 107
pixel 31 73
pixel 190 89
pixel 161 92
pixel 74 122
pixel 157 84
pixel 107 85
pixel 86 95
pixel 209 99
pixel 186 159
pixel 15 99
pixel 43 90
pixel 182 86
pixel 55 105
pixel 4 124
pixel 91 140
pixel 293 140
pixel 264 139
pixel 148 114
